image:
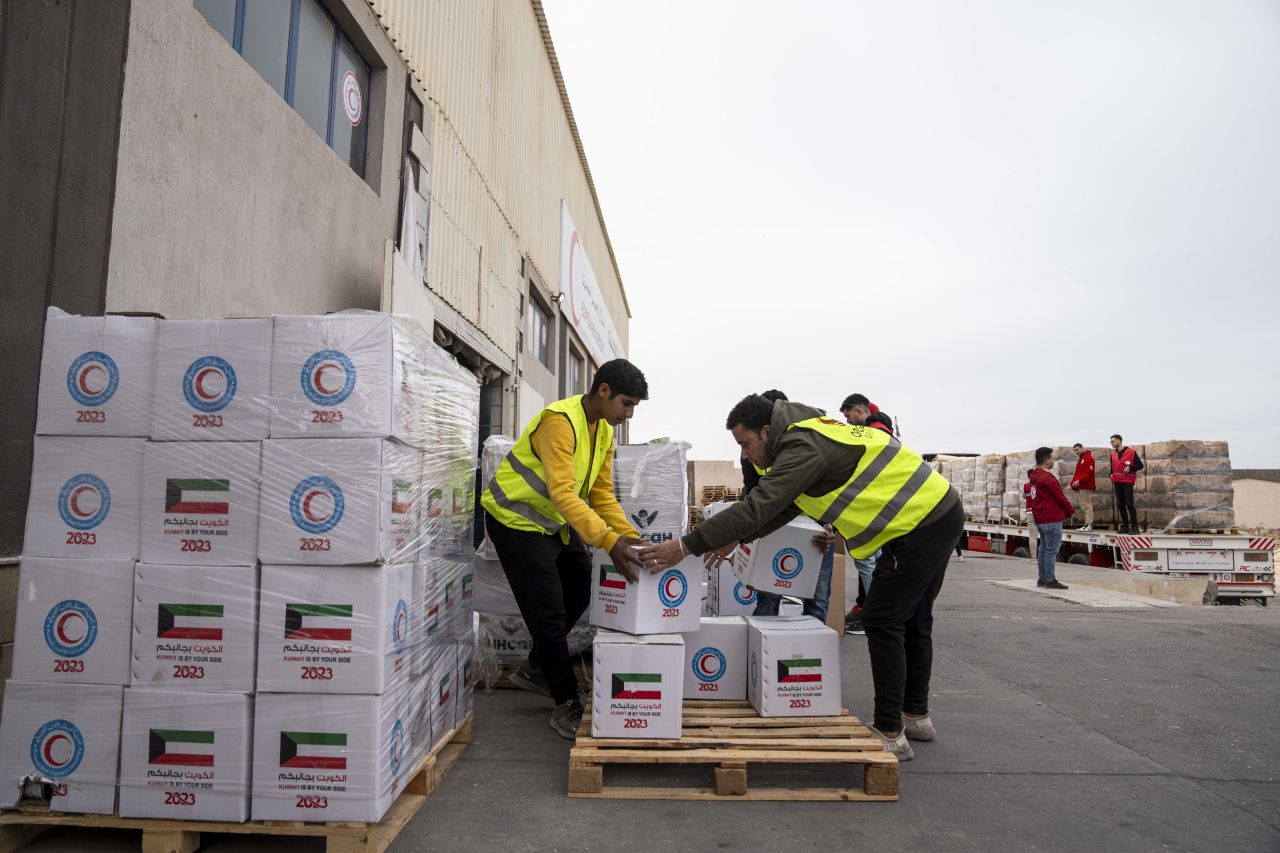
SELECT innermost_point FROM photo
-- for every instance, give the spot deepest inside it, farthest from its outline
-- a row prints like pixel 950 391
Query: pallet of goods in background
pixel 1185 486
pixel 242 532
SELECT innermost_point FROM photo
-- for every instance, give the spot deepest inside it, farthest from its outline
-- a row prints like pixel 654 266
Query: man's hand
pixel 824 540
pixel 1075 484
pixel 713 559
pixel 655 558
pixel 625 559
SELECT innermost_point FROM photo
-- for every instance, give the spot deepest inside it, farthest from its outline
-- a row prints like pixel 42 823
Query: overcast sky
pixel 1007 223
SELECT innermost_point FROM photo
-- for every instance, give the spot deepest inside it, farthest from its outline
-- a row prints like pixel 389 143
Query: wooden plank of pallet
pixel 726 736
pixel 18 829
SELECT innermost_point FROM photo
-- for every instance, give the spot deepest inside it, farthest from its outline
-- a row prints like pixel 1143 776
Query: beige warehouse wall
pixel 504 154
pixel 226 201
pixel 1257 504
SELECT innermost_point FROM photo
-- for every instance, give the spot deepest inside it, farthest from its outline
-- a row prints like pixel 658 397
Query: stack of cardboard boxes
pixel 658 649
pixel 275 630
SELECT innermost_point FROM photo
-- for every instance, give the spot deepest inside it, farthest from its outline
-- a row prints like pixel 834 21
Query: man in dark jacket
pixel 1049 507
pixel 768 603
pixel 895 503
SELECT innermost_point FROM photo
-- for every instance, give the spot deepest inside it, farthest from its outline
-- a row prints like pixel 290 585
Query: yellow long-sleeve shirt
pixel 595 513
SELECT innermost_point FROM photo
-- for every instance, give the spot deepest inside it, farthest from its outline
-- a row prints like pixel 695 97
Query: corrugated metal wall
pixel 504 156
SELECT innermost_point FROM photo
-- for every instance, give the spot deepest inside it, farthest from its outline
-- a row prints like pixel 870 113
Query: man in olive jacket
pixel 809 458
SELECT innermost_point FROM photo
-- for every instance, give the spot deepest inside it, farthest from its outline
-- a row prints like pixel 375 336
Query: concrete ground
pixel 1062 726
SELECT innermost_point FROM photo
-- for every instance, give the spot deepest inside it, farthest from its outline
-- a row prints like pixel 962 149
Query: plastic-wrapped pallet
pixel 1186 485
pixel 496 448
pixel 505 640
pixel 651 482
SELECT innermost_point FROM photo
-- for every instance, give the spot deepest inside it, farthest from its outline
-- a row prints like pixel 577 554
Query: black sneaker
pixel 1039 583
pixel 528 678
pixel 853 624
pixel 1055 585
pixel 566 719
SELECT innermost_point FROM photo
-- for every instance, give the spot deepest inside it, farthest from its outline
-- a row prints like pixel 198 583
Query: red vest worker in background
pixel 1124 473
pixel 1084 483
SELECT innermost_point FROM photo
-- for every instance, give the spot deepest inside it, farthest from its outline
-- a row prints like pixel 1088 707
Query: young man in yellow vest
pixel 552 493
pixel 878 495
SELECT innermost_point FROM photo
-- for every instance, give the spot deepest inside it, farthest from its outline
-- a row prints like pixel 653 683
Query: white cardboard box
pixel 794 669
pixel 323 758
pixel 353 374
pixel 651 482
pixel 418 720
pixel 338 502
pixel 67 733
pixel 665 603
pixel 715 664
pixel 728 596
pixel 444 690
pixel 785 562
pixel 637 685
pixel 466 683
pixel 85 498
pixel 334 629
pixel 195 628
pixel 96 375
pixel 73 620
pixel 185 756
pixel 200 503
pixel 213 380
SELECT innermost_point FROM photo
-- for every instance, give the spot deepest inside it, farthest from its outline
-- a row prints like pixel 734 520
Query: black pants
pixel 551 582
pixel 1124 502
pixel 898 617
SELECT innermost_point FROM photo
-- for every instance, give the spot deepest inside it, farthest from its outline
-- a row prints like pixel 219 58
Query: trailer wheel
pixel 1022 552
pixel 1078 560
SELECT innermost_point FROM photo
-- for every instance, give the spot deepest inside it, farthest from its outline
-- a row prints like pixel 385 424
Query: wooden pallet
pixel 18 829
pixel 731 736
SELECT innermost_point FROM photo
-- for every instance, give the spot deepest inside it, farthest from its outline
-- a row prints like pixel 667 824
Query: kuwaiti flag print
pixel 317 621
pixel 800 670
pixel 313 750
pixel 637 685
pixel 189 621
pixel 197 497
pixel 182 748
pixel 611 578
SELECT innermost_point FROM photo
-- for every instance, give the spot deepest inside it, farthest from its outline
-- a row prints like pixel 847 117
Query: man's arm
pixel 553 441
pixel 770 505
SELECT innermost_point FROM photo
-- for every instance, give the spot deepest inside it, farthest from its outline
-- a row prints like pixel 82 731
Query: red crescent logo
pixel 199 383
pixel 667 587
pixel 306 506
pixel 787 563
pixel 61 629
pixel 84 379
pixel 75 501
pixel 400 620
pixel 702 664
pixel 317 379
pixel 48 750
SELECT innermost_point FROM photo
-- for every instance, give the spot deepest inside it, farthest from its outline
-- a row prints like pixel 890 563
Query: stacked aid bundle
pixel 303 501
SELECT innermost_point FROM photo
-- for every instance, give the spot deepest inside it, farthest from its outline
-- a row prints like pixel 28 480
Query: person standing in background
pixel 1050 507
pixel 1084 483
pixel 1033 534
pixel 1124 473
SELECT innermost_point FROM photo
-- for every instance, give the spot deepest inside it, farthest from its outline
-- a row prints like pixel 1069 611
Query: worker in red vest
pixel 1125 466
pixel 1084 483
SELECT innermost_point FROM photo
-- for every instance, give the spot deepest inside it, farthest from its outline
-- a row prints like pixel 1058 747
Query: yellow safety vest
pixel 517 495
pixel 890 491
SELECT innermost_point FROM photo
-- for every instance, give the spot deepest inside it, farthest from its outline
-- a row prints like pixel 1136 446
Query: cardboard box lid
pixel 604 636
pixel 777 624
pixel 723 620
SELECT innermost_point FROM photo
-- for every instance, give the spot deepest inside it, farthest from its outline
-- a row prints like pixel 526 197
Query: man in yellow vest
pixel 878 495
pixel 552 493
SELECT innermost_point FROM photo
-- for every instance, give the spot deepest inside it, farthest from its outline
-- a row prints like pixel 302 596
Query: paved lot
pixel 1063 726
